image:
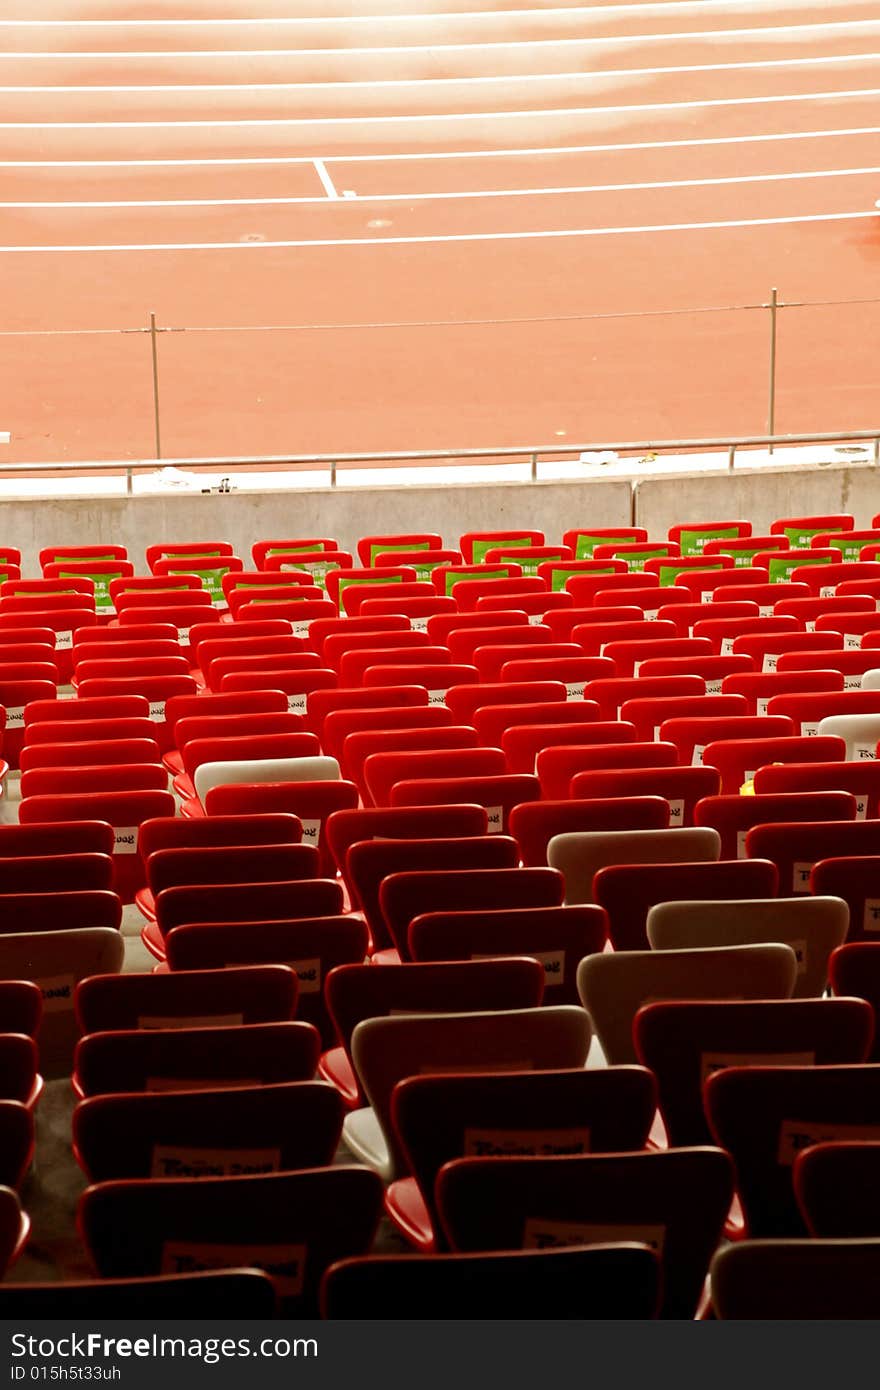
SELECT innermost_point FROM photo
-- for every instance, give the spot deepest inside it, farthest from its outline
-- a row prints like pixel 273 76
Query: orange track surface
pixel 532 244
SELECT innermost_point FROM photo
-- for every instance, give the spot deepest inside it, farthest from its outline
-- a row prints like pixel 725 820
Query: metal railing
pixel 771 310
pixel 640 451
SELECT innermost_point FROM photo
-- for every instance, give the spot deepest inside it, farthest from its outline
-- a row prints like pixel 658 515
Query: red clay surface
pixel 479 180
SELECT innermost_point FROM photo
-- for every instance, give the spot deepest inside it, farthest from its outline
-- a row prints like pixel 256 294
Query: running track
pixel 496 172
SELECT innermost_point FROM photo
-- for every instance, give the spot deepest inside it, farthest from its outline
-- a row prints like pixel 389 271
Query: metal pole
pixel 129 486
pixel 771 409
pixel 333 473
pixel 730 456
pixel 153 345
pixel 534 468
pixel 877 450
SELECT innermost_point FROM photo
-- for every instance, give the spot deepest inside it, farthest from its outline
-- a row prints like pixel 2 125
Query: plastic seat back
pixel 812 926
pixel 338 724
pixel 248 902
pixel 310 946
pixel 796 847
pixel 253 771
pixel 386 1050
pixel 124 810
pixel 195 1059
pixel 674 1202
pixel 558 937
pixel 292 1225
pixel 613 986
pixel 796 1279
pixel 253 994
pixel 405 896
pixel 629 893
pixel 860 734
pixel 87 753
pixel 368 862
pixel 579 855
pixel 346 828
pixel 235 1293
pixel 534 824
pixel 358 747
pixel 492 721
pixel 734 816
pixel 618 1281
pixel 437 1119
pixel 856 880
pixel 260 1129
pixel 220 864
pixel 557 766
pixel 21 1006
pixel 684 1042
pixel 692 734
pixel 356 992
pixel 311 803
pixel 499 793
pixel 765 1115
pixel 861 779
pixel 465 700
pixel 383 770
pixel 835 1186
pixel 56 961
pixel 68 781
pixel 648 714
pixel 682 788
pixel 854 969
pixel 738 759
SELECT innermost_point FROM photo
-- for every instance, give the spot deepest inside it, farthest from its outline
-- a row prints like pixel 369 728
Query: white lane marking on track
pixel 514 152
pixel 332 194
pixel 506 78
pixel 326 183
pixel 535 113
pixel 454 237
pixel 587 11
pixel 762 31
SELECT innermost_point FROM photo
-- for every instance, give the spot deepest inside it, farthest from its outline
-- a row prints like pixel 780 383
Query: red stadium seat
pixel 499 793
pixel 527 1112
pixel 368 862
pixel 738 759
pixel 765 1115
pixel 558 937
pixel 124 810
pixel 691 734
pixel 795 848
pixel 734 816
pixel 684 1042
pixel 293 1225
pixel 628 891
pixel 854 877
pixel 356 992
pixel 347 828
pixel 854 972
pixel 404 896
pixel 534 824
pixel 523 742
pixel 649 714
pixel 358 747
pixel 681 787
pixel 675 1202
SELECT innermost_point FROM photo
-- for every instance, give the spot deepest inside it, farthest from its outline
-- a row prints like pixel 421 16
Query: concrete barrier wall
pixel 759 495
pixel 345 513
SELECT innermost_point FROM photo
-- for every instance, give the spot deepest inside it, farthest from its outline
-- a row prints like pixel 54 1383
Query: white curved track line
pixel 436 117
pixel 331 193
pixel 433 240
